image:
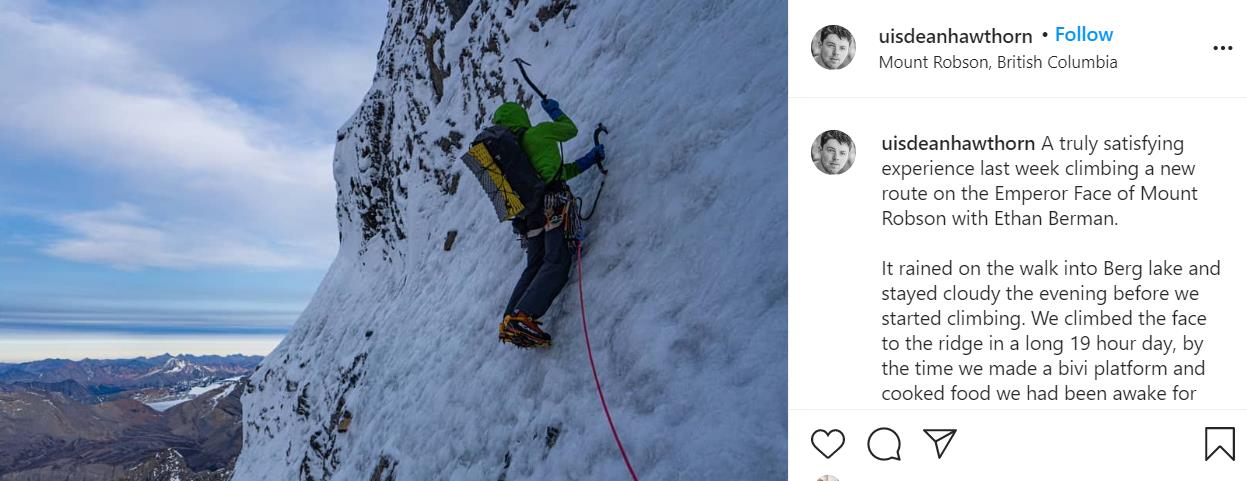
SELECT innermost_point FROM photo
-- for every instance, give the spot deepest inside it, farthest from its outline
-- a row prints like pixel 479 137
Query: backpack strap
pixel 558 174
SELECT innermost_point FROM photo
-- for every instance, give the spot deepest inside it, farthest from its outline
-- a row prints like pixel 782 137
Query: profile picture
pixel 833 152
pixel 828 477
pixel 833 47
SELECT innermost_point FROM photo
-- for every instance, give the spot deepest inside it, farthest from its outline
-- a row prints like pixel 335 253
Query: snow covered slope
pixel 685 269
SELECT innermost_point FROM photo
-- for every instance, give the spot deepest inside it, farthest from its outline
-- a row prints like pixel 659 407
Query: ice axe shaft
pixel 521 63
pixel 601 129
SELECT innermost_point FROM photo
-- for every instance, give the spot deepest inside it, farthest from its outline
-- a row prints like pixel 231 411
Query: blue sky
pixel 165 169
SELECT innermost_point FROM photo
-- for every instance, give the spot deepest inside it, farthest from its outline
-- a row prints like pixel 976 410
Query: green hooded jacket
pixel 541 141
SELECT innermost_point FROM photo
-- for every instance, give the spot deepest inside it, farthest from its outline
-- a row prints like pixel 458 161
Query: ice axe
pixel 601 186
pixel 601 129
pixel 521 63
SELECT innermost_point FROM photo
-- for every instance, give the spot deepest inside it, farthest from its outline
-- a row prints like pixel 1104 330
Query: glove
pixel 551 107
pixel 597 154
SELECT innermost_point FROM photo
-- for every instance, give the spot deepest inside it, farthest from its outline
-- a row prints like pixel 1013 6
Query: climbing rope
pixel 584 322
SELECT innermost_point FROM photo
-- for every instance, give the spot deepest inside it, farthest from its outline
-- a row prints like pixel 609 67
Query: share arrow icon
pixel 941 438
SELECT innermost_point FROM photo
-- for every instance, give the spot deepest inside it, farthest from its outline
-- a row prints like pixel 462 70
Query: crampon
pixel 522 331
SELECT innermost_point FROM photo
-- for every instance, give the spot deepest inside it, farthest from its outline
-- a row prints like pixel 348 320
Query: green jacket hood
pixel 540 142
pixel 513 116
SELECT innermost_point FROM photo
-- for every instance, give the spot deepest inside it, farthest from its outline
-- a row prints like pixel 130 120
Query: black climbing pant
pixel 549 261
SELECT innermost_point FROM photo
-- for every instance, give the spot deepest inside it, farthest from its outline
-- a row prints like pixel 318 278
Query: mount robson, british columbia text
pixel 1004 62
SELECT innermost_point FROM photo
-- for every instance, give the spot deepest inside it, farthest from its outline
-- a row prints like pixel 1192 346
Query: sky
pixel 166 169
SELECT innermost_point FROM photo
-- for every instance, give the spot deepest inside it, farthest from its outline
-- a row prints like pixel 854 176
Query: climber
pixel 542 233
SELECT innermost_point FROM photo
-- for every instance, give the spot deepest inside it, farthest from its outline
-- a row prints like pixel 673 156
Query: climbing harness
pixel 584 323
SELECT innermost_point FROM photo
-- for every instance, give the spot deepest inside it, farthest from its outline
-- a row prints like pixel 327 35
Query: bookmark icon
pixel 1219 439
pixel 941 438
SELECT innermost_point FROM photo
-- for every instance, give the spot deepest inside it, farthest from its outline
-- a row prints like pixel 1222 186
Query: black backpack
pixel 499 163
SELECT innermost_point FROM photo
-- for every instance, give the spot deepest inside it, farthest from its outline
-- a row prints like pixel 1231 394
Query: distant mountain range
pixel 158 371
pixel 69 387
pixel 53 426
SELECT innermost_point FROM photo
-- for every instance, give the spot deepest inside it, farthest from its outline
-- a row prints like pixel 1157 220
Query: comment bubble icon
pixel 884 444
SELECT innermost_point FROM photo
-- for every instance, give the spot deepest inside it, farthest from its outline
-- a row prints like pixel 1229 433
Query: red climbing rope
pixel 584 322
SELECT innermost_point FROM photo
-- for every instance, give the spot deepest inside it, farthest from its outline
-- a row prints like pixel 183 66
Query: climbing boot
pixel 506 335
pixel 523 331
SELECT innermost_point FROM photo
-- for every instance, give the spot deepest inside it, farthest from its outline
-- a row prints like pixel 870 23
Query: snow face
pixel 685 268
pixel 194 392
pixel 163 406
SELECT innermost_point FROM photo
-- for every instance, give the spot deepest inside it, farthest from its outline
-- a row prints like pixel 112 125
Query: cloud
pixel 25 346
pixel 311 58
pixel 325 75
pixel 127 239
pixel 208 180
pixel 143 319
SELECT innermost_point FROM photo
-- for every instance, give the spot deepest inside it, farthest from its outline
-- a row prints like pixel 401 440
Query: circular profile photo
pixel 833 47
pixel 828 477
pixel 833 152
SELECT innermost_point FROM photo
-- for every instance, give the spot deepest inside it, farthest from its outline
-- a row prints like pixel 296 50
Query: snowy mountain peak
pixel 175 365
pixel 178 365
pixel 684 273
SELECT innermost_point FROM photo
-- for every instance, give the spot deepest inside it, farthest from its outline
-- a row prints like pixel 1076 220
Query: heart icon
pixel 828 443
